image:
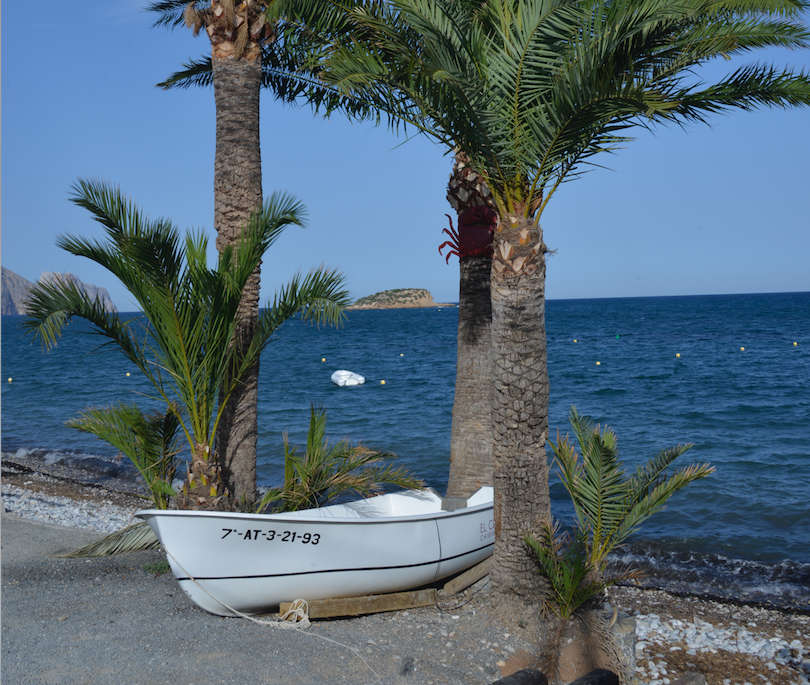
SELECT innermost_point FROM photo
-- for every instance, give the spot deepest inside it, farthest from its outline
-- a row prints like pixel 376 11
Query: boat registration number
pixel 273 535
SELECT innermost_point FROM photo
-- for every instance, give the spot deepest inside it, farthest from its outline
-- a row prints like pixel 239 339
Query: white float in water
pixel 347 378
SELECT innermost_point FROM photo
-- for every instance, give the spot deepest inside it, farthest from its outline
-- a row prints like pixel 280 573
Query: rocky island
pixel 401 298
pixel 16 288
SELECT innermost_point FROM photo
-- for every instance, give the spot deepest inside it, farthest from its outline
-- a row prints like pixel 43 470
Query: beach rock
pixel 105 517
pixel 690 678
pixel 624 634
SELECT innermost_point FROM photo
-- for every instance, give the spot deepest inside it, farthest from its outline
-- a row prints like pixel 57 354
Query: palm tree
pixel 531 91
pixel 236 32
pixel 254 43
pixel 185 347
pixel 610 507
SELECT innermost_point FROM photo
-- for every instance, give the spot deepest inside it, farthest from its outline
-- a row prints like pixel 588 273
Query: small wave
pixel 784 584
pixel 609 391
pixel 96 468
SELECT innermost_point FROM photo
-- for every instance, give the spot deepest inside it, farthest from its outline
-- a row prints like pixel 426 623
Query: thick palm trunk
pixel 519 405
pixel 237 192
pixel 471 432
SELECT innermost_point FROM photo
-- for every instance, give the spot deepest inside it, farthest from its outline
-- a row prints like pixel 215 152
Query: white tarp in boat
pixel 347 378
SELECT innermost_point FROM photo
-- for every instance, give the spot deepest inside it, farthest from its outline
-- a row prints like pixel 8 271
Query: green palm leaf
pixel 150 442
pixel 326 472
pixel 531 90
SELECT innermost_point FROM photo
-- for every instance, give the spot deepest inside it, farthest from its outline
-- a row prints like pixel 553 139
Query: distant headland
pixel 15 290
pixel 401 298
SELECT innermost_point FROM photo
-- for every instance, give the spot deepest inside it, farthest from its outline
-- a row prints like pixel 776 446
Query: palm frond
pixel 150 442
pixel 532 90
pixel 326 472
pixel 564 561
pixel 136 538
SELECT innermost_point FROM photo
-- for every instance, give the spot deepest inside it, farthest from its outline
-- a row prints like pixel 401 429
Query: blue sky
pixel 706 211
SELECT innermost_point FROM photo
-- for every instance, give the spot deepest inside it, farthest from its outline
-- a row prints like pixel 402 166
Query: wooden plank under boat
pixel 389 543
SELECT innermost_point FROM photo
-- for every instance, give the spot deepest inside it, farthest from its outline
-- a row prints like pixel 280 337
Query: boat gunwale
pixel 364 520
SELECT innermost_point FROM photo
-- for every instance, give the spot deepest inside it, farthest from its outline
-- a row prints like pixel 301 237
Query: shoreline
pixel 728 642
pixel 780 586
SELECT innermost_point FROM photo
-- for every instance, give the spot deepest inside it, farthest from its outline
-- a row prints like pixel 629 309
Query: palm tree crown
pixel 531 90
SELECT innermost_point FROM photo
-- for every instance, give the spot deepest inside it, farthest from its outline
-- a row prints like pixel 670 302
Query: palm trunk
pixel 471 432
pixel 237 192
pixel 519 405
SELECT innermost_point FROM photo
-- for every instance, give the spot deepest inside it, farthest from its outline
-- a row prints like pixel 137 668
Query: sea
pixel 729 374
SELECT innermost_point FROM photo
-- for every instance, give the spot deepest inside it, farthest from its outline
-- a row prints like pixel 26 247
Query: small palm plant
pixel 183 345
pixel 609 507
pixel 324 471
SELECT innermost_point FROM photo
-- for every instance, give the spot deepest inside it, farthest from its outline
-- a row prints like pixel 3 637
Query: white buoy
pixel 344 378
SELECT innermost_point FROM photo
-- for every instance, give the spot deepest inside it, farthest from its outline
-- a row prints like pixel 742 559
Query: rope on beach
pixel 298 612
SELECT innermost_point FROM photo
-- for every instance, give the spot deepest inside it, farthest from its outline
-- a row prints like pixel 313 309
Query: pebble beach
pixel 727 643
pixel 104 517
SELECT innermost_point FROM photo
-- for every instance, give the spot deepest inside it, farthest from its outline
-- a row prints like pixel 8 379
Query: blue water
pixel 743 532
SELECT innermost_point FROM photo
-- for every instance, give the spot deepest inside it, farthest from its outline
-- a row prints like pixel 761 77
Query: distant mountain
pixel 15 289
pixel 401 298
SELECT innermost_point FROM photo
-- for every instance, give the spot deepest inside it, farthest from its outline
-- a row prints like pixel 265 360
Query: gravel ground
pixel 108 621
pixel 104 621
pixel 728 643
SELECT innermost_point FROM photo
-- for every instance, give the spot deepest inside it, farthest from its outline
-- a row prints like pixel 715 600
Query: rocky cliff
pixel 15 290
pixel 401 298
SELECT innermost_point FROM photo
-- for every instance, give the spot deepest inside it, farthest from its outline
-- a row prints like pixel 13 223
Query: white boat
pixel 343 378
pixel 388 543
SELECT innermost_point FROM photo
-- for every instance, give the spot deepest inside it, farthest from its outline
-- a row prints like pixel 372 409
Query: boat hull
pixel 252 563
